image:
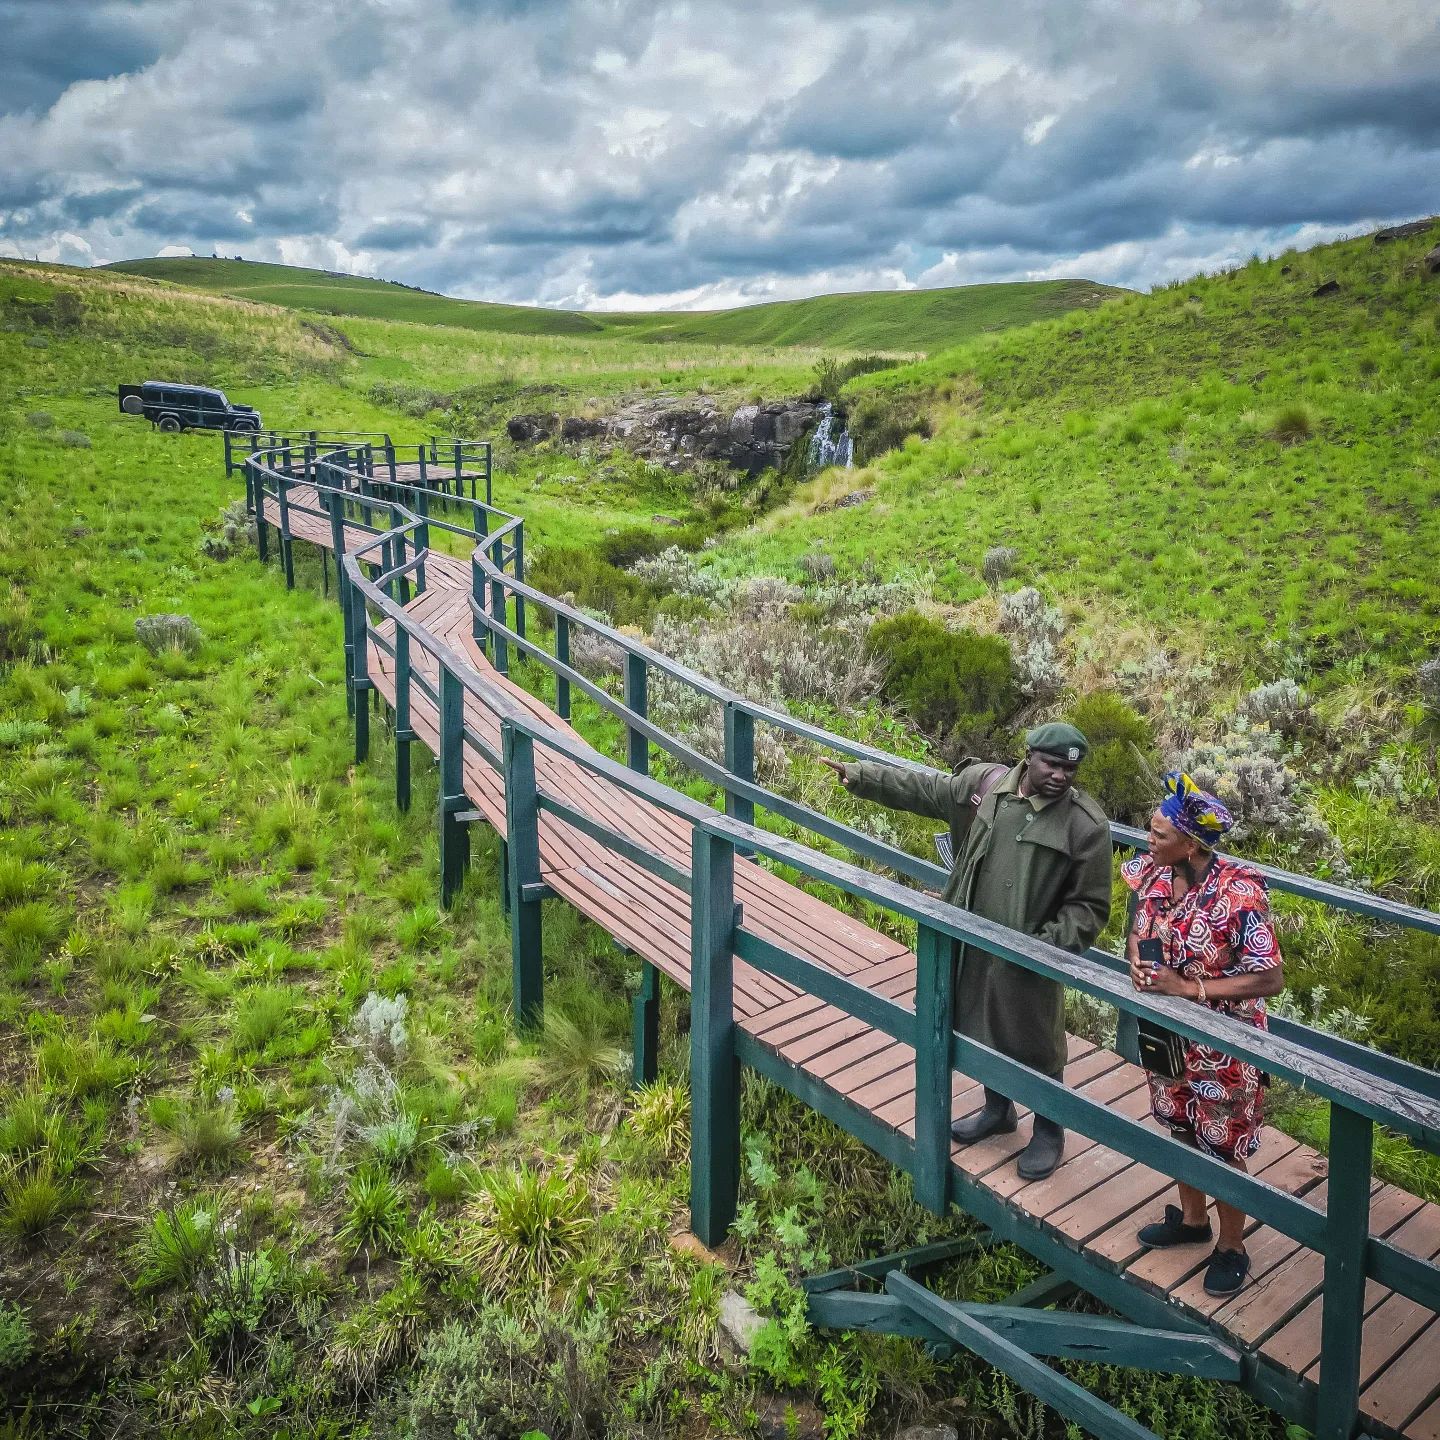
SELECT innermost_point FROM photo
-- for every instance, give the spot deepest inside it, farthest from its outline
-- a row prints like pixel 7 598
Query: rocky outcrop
pixel 677 433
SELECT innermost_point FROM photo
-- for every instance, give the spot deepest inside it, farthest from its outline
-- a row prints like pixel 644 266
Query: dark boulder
pixel 1404 232
pixel 528 429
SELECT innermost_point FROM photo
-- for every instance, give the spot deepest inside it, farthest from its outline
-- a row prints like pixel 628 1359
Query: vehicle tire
pixel 169 424
pixel 246 427
pixel 133 405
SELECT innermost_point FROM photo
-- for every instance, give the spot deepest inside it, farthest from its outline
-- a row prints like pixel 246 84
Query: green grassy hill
pixel 1240 465
pixel 895 320
pixel 888 319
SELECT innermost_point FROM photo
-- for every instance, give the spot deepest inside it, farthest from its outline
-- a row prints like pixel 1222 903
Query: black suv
pixel 186 407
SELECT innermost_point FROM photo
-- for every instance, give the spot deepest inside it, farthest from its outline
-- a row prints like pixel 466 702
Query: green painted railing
pixel 1361 1087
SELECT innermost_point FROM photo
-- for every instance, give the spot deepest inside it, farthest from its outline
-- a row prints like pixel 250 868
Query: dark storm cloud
pixel 48 47
pixel 568 152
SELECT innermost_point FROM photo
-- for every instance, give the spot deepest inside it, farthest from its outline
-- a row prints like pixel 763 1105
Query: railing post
pixel 342 594
pixel 390 459
pixel 637 699
pixel 424 479
pixel 287 553
pixel 360 668
pixel 403 733
pixel 478 630
pixel 740 760
pixel 398 523
pixel 519 558
pixel 933 1028
pixel 262 543
pixel 522 844
pixel 1347 1234
pixel 489 492
pixel 645 1026
pixel 459 471
pixel 454 834
pixel 562 654
pixel 422 538
pixel 714 1065
pixel 500 652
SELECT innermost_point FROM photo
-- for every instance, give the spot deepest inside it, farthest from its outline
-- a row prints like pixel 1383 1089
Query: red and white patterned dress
pixel 1218 929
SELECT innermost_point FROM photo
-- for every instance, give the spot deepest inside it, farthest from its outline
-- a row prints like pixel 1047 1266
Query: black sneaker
pixel 1226 1271
pixel 1173 1230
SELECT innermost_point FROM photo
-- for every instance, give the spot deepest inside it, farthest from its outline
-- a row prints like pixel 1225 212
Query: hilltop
pixel 1242 464
pixel 907 321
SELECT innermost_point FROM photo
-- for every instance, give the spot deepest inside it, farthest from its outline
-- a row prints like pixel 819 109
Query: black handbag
pixel 1162 1051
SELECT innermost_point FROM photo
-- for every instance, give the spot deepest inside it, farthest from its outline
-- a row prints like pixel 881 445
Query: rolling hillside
pixel 1244 463
pixel 895 320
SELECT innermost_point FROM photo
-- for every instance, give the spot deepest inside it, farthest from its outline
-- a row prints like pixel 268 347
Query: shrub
pixel 15 1338
pixel 506 1369
pixel 817 566
pixel 1034 630
pixel 528 1226
pixel 1119 769
pixel 234 530
pixel 234 1300
pixel 635 542
pixel 999 564
pixel 674 571
pixel 884 422
pixel 394 1141
pixel 176 1244
pixel 831 374
pixel 41 420
pixel 74 439
pixel 158 633
pixel 661 1118
pixel 953 683
pixel 378 1029
pixel 1429 682
pixel 594 583
pixel 370 1341
pixel 1282 705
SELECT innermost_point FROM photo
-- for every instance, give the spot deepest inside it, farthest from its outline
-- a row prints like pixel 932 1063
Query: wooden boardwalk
pixel 1089 1208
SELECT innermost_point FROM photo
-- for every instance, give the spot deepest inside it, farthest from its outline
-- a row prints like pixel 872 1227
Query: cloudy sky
pixel 628 153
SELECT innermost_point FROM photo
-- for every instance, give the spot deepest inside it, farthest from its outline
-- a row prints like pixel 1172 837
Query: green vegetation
pixel 899 320
pixel 272 1158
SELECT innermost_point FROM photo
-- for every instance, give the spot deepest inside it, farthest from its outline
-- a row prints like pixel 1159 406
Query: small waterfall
pixel 830 445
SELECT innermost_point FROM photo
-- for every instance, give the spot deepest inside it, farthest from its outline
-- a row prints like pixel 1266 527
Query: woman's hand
pixel 838 768
pixel 1165 981
pixel 1139 973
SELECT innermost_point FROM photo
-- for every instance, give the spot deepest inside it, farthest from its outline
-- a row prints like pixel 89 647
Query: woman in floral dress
pixel 1211 915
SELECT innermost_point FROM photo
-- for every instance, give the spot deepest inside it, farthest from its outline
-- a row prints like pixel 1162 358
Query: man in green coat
pixel 1032 851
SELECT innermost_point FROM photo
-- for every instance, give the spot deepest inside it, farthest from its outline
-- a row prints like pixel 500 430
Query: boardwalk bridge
pixel 1337 1328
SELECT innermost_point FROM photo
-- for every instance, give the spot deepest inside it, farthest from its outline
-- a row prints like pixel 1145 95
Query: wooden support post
pixel 403 733
pixel 645 1026
pixel 424 477
pixel 500 647
pixel 262 542
pixel 478 631
pixel 740 760
pixel 324 571
pixel 422 538
pixel 933 1028
pixel 562 654
pixel 454 834
pixel 714 1065
pixel 637 699
pixel 287 548
pixel 519 558
pixel 1347 1233
pixel 1127 1026
pixel 522 842
pixel 360 672
pixel 489 493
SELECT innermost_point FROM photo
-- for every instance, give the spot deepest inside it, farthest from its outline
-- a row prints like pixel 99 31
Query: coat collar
pixel 1010 785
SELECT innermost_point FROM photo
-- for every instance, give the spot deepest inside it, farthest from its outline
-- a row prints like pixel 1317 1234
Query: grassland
pixel 235 1200
pixel 902 321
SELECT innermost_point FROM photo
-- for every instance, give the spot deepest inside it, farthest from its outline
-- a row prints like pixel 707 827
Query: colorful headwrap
pixel 1193 811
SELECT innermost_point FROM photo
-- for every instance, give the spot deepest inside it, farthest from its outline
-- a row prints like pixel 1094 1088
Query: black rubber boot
pixel 997 1118
pixel 1040 1157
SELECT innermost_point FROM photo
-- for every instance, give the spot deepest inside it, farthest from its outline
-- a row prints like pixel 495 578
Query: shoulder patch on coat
pixel 1090 806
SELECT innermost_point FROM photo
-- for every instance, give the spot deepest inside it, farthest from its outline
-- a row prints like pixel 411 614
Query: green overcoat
pixel 1040 867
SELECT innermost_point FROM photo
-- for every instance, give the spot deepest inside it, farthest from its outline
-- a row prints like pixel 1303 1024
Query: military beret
pixel 1063 741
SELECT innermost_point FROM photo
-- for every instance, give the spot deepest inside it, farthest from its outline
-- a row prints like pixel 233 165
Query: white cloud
pixel 629 153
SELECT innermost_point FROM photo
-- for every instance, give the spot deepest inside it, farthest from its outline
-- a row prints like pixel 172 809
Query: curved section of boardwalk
pixel 1081 1221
